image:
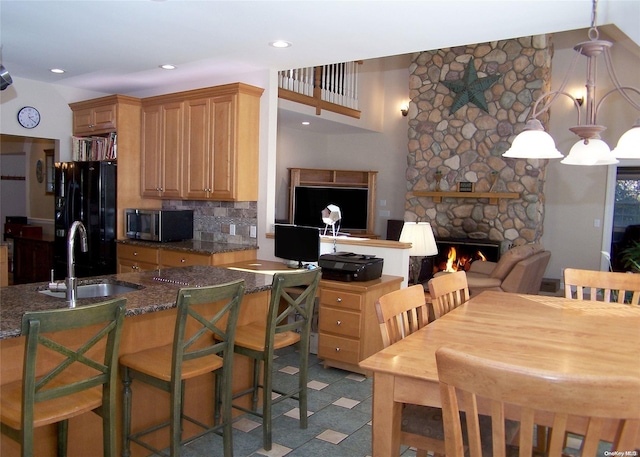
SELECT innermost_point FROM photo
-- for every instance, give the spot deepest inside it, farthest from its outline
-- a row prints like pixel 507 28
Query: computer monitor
pixel 297 243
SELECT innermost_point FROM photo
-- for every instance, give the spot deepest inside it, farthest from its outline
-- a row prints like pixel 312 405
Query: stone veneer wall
pixel 212 220
pixel 468 145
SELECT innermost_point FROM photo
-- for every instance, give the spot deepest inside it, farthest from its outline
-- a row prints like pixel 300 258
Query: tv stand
pixel 336 178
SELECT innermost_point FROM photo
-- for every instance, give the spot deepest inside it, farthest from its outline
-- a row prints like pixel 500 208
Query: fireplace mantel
pixel 492 196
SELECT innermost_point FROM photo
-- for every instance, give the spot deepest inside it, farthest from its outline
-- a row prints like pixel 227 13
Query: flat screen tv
pixel 300 244
pixel 309 201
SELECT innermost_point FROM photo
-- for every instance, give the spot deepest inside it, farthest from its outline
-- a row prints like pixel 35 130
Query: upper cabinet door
pixel 197 148
pixel 223 155
pixel 161 156
pixel 98 119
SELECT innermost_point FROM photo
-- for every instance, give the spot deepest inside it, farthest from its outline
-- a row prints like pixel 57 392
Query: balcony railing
pixel 330 87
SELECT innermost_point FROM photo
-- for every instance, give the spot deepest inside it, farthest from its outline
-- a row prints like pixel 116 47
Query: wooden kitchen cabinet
pixel 137 258
pixel 4 265
pixel 161 149
pixel 99 118
pixel 348 329
pixel 119 114
pixel 213 142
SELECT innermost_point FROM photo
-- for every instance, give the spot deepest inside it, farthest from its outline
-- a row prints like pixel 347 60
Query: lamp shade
pixel 628 146
pixel 590 152
pixel 533 143
pixel 420 235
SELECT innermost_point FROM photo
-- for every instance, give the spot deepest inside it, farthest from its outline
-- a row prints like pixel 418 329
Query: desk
pixel 551 333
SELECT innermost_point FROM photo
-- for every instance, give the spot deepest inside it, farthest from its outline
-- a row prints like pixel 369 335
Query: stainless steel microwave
pixel 159 224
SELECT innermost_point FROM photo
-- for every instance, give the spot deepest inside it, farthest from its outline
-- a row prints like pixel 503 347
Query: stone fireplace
pixel 466 147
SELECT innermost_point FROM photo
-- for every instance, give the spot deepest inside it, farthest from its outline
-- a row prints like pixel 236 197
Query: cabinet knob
pixel 337 349
pixel 135 253
pixel 183 260
pixel 338 322
pixel 339 300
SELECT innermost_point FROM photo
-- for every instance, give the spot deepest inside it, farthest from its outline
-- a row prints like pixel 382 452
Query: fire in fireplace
pixel 459 254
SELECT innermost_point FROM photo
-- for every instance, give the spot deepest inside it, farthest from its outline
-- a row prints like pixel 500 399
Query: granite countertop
pixel 198 246
pixel 159 292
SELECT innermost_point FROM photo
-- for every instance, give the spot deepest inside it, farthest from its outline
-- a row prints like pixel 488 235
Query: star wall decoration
pixel 470 88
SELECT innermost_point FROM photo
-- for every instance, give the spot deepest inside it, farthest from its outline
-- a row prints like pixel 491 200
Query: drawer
pixel 342 299
pixel 138 254
pixel 183 259
pixel 341 322
pixel 338 348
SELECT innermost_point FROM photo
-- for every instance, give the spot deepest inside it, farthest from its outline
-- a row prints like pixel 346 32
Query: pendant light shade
pixel 590 153
pixel 629 144
pixel 533 143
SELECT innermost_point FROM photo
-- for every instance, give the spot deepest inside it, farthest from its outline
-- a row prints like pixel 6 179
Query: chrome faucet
pixel 72 286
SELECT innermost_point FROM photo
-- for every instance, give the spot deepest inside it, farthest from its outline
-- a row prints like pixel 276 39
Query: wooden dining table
pixel 550 333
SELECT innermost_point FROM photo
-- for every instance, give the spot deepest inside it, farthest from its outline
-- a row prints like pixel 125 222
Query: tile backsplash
pixel 215 220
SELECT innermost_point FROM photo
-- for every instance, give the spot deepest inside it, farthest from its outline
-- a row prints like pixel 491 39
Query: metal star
pixel 470 88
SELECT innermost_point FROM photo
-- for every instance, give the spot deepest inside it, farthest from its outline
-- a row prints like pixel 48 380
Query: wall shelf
pixel 492 196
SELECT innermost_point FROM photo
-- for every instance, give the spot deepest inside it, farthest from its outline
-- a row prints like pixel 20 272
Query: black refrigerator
pixel 86 192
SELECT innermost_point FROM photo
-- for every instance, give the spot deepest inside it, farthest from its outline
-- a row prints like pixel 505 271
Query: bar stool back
pixel 62 380
pixel 289 319
pixel 201 344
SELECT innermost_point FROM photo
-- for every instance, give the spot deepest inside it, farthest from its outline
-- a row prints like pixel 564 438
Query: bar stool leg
pixel 126 412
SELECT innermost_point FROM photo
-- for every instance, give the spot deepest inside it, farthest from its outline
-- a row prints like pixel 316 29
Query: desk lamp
pixel 423 244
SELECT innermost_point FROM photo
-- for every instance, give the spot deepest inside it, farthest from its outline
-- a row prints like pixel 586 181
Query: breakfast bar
pixel 149 322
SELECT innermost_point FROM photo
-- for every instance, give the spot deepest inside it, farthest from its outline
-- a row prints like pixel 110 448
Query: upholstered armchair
pixel 519 270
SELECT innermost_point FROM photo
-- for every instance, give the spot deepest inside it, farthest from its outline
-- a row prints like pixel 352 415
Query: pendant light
pixel 535 143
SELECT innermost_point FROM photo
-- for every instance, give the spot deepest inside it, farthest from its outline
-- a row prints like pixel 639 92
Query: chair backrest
pixel 448 291
pixel 510 258
pixel 603 286
pixel 91 360
pixel 470 383
pixel 292 305
pixel 201 331
pixel 526 276
pixel 401 312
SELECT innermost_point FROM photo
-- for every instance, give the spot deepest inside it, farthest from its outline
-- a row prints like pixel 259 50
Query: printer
pixel 347 266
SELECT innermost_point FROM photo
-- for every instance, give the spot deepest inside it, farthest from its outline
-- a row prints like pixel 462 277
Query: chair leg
pixel 267 387
pixel 256 383
pixel 302 386
pixel 175 418
pixel 108 413
pixel 126 412
pixel 63 432
pixel 226 392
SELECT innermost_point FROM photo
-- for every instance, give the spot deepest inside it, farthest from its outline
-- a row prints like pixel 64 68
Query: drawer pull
pixel 339 300
pixel 183 260
pixel 338 322
pixel 135 253
pixel 337 349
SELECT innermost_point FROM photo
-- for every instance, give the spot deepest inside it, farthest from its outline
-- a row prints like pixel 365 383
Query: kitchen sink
pixel 100 289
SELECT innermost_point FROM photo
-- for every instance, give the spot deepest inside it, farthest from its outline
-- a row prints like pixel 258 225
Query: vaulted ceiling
pixel 117 46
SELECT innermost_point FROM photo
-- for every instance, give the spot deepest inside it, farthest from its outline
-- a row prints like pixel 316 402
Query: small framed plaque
pixel 465 186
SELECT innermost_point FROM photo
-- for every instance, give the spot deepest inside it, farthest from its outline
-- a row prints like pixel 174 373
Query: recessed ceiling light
pixel 168 66
pixel 306 123
pixel 280 44
pixel 58 71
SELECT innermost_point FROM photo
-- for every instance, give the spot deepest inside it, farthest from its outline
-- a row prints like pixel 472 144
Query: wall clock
pixel 28 117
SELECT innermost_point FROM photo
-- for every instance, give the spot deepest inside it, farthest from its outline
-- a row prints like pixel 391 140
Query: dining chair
pixel 400 313
pixel 472 384
pixel 603 286
pixel 448 291
pixel 291 310
pixel 62 380
pixel 203 341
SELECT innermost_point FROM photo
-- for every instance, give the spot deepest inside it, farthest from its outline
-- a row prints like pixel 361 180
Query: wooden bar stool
pixel 62 380
pixel 201 344
pixel 288 322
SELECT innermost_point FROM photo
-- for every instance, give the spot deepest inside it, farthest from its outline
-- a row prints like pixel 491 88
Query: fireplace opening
pixel 459 254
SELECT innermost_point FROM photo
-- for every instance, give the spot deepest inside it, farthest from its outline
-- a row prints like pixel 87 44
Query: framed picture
pixel 465 186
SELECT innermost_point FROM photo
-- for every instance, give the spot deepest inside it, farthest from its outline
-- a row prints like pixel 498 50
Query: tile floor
pixel 339 420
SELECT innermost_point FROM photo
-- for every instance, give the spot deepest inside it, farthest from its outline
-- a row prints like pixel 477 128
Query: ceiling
pixel 117 46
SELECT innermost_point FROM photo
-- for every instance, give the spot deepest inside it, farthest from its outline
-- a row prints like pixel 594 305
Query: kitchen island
pixel 149 323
